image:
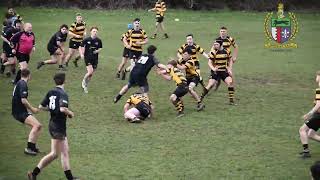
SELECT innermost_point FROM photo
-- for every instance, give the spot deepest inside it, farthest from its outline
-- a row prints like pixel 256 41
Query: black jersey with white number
pixel 55 99
pixel 20 91
pixel 144 65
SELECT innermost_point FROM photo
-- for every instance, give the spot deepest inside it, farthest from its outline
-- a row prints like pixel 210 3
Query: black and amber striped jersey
pixel 134 36
pixel 78 29
pixel 195 50
pixel 160 8
pixel 191 69
pixel 220 58
pixel 227 42
pixel 177 75
pixel 137 98
pixel 122 37
pixel 317 98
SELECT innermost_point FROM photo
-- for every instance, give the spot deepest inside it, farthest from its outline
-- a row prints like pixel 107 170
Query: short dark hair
pixel 187 50
pixel 136 19
pixel 315 170
pixel 59 78
pixel 64 26
pixel 173 62
pixel 224 28
pixel 151 49
pixel 218 41
pixel 189 35
pixel 25 73
pixel 94 27
pixel 17 22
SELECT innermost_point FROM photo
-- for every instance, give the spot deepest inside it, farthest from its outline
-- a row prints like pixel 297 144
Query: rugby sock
pixel 305 147
pixel 179 105
pixel 36 171
pixel 231 94
pixel 205 92
pixel 60 66
pixel 118 97
pixel 166 35
pixel 2 68
pixel 68 174
pixel 18 77
pixel 31 146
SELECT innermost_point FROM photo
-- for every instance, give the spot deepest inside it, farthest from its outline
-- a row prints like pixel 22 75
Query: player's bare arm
pixel 67 112
pixel 312 111
pixel 26 103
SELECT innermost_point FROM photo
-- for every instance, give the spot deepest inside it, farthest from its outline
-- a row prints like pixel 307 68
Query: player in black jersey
pixel 312 123
pixel 57 102
pixel 91 46
pixel 55 48
pixel 139 73
pixel 8 58
pixel 22 109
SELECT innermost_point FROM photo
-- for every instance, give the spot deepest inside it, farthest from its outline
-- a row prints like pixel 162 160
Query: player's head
pixel 27 27
pixel 25 74
pixel 315 171
pixel 17 24
pixel 172 63
pixel 151 49
pixel 186 53
pixel 59 78
pixel 11 11
pixel 136 23
pixel 189 39
pixel 94 31
pixel 217 44
pixel 78 17
pixel 223 32
pixel 64 29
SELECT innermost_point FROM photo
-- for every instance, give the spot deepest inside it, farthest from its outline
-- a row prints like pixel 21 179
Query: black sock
pixel 155 35
pixel 119 96
pixel 3 68
pixel 18 76
pixel 60 66
pixel 42 63
pixel 31 146
pixel 68 174
pixel 305 146
pixel 36 171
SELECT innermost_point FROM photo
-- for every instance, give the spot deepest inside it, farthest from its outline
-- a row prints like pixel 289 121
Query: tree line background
pixel 256 5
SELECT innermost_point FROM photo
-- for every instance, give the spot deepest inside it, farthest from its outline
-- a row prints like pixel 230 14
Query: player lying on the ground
pixel 136 37
pixel 173 73
pixel 137 108
pixel 20 111
pixel 8 57
pixel 220 65
pixel 312 123
pixel 56 101
pixel 91 47
pixel 160 8
pixel 139 73
pixel 193 78
pixel 55 47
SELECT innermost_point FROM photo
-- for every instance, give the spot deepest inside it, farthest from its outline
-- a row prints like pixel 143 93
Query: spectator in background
pixel 11 16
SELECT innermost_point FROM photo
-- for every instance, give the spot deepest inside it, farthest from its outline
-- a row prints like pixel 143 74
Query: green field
pixel 258 139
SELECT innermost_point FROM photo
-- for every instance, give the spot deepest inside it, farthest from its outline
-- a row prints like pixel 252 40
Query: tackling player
pixel 137 108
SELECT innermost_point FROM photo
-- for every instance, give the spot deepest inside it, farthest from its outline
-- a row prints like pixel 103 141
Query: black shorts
pixel 314 122
pixel 138 80
pixel 144 109
pixel 134 54
pixel 7 50
pixel 219 75
pixel 74 44
pixel 21 116
pixel 194 79
pixel 126 52
pixel 57 133
pixel 52 50
pixel 160 19
pixel 181 90
pixel 90 61
pixel 23 57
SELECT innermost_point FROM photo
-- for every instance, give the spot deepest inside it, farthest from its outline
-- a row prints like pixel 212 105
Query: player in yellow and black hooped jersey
pixel 141 108
pixel 193 78
pixel 228 41
pixel 125 53
pixel 195 50
pixel 77 31
pixel 219 63
pixel 312 122
pixel 134 39
pixel 173 73
pixel 160 8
